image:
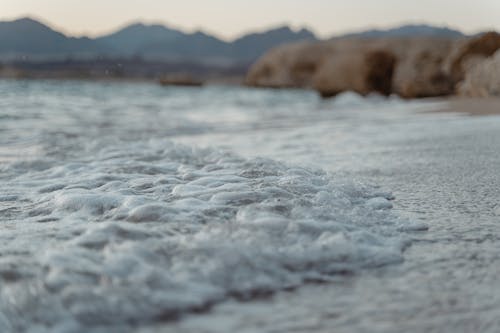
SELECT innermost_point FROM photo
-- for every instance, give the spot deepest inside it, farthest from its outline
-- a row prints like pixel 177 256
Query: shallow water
pixel 130 207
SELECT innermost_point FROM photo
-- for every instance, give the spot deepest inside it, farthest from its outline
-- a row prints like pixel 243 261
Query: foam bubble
pixel 150 230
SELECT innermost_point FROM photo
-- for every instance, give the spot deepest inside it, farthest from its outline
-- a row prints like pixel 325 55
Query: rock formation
pixel 183 80
pixel 289 66
pixel 483 79
pixel 411 67
pixel 420 70
pixel 362 72
pixel 469 52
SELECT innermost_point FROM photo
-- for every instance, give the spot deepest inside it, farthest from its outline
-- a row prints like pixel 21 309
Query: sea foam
pixel 147 231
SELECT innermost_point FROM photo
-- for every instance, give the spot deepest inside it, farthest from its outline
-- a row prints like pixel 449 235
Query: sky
pixel 230 18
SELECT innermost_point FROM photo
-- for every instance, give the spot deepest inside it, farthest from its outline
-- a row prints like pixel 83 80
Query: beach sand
pixel 473 106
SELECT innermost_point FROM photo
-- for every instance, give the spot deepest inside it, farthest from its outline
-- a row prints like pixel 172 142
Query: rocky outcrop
pixel 420 72
pixel 362 72
pixel 482 79
pixel 182 80
pixel 467 53
pixel 411 67
pixel 289 66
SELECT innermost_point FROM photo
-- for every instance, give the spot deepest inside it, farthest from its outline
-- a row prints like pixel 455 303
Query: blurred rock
pixel 482 79
pixel 185 80
pixel 410 66
pixel 420 71
pixel 470 52
pixel 289 66
pixel 361 72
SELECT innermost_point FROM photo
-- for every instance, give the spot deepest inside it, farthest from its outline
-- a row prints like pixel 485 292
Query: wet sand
pixel 473 106
pixel 443 171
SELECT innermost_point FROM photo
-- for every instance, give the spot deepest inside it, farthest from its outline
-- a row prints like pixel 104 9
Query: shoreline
pixel 226 81
pixel 472 106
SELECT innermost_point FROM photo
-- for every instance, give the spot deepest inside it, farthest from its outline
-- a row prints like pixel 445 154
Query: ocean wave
pixel 144 232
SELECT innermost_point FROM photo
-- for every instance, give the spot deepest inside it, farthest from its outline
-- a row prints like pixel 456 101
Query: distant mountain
pixel 34 40
pixel 407 31
pixel 133 37
pixel 31 38
pixel 160 42
pixel 253 45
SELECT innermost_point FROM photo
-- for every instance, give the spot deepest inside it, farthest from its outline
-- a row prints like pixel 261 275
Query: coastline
pixel 413 160
pixel 472 106
pixel 398 149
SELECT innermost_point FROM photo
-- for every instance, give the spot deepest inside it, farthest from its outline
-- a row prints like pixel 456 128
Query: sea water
pixel 126 206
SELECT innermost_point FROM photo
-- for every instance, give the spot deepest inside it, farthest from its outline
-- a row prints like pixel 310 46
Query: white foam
pixel 150 230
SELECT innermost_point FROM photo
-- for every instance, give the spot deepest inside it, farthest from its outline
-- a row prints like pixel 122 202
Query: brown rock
pixel 421 73
pixel 291 65
pixel 483 79
pixel 184 80
pixel 471 51
pixel 361 72
pixel 410 67
pixel 381 66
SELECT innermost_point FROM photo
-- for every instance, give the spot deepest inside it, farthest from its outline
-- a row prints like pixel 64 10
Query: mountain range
pixel 407 31
pixel 28 39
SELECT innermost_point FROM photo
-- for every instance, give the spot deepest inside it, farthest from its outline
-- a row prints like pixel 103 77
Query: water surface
pixel 130 207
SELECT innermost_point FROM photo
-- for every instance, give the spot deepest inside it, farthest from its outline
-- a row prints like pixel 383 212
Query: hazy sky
pixel 229 18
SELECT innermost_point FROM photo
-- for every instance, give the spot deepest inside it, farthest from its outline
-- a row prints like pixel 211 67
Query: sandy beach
pixel 180 200
pixel 473 106
pixel 306 167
